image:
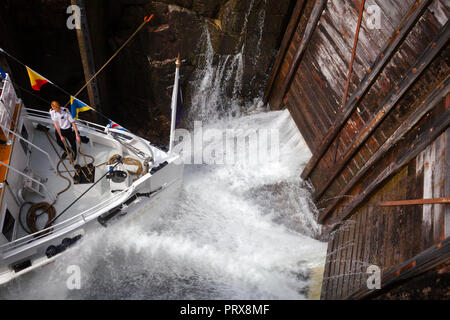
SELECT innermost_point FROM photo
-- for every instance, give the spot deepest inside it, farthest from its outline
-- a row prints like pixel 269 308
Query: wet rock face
pixel 136 87
pixel 253 28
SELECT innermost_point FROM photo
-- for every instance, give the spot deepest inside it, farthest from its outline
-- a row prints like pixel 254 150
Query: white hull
pixel 145 209
pixel 83 207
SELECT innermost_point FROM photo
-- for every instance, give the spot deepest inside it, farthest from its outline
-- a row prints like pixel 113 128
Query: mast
pixel 174 103
pixel 87 55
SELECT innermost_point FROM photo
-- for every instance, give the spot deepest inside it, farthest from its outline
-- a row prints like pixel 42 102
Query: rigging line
pixel 56 86
pixel 56 151
pixel 69 152
pixel 350 69
pixel 46 208
pixel 146 20
pixel 23 64
pixel 29 92
pixel 90 170
pixel 84 193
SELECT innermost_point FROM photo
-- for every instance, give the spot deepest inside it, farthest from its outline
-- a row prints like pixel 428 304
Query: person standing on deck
pixel 64 123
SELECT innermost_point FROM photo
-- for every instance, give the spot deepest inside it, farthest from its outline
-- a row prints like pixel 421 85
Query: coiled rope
pixel 128 161
pixel 47 208
pixel 44 207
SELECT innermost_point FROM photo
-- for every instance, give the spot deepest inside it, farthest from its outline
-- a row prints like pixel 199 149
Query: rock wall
pixel 136 88
pixel 143 74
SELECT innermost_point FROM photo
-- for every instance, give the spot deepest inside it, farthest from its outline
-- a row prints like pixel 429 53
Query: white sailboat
pixel 118 175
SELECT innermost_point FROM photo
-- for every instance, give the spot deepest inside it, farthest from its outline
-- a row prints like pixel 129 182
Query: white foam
pixel 242 231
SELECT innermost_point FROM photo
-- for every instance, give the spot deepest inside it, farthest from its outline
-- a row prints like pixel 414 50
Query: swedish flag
pixel 2 73
pixel 78 106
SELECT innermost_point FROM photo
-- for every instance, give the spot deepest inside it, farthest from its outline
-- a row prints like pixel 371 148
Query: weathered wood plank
pixel 432 100
pixel 439 178
pixel 423 141
pixel 315 116
pixel 352 59
pixel 412 191
pixel 390 228
pixel 427 215
pixel 447 174
pixel 387 52
pixel 312 23
pixel 338 264
pixel 301 104
pixel 426 260
pixel 373 233
pixel 383 244
pixel 342 262
pixel 327 270
pixel 414 202
pixel 434 184
pixel 359 281
pixel 287 39
pixel 356 265
pixel 348 259
pixel 335 265
pixel 389 103
pixel 401 191
pixel 417 239
pixel 367 244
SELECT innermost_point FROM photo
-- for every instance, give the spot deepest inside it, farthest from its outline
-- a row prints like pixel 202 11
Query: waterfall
pixel 211 97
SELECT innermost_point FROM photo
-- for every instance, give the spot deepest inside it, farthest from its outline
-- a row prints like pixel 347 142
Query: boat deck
pixel 41 166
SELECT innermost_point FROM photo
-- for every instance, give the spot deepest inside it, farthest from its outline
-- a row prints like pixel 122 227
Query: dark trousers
pixel 69 135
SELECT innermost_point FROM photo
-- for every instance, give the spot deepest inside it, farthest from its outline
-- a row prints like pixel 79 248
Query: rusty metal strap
pixel 431 101
pixel 355 45
pixel 413 202
pixel 388 104
pixel 402 31
pixel 424 140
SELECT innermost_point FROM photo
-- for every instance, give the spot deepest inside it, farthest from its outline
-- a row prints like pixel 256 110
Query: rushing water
pixel 237 231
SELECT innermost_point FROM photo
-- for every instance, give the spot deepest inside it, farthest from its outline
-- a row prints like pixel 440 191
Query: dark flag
pixel 2 73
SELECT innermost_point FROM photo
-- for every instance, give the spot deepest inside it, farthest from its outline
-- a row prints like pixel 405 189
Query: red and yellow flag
pixel 37 81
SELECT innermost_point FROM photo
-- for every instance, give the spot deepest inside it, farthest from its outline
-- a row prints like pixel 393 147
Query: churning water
pixel 237 231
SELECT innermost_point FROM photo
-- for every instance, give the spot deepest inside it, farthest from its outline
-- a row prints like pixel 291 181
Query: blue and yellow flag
pixel 78 106
pixel 2 73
